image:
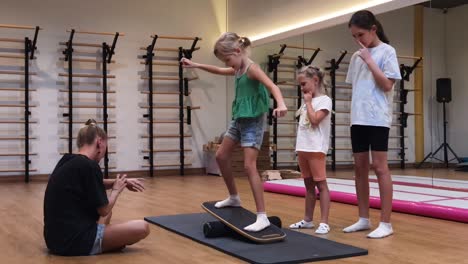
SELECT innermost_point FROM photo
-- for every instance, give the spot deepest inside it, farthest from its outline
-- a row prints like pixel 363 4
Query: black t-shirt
pixel 74 192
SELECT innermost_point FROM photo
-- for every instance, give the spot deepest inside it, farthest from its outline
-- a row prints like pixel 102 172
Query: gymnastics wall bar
pixel 107 51
pixel 29 50
pixel 273 63
pixel 405 72
pixel 334 66
pixel 183 91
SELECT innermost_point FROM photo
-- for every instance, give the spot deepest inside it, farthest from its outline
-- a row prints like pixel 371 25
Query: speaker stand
pixel 445 146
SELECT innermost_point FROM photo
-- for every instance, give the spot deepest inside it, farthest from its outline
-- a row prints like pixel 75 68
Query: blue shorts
pixel 97 246
pixel 248 131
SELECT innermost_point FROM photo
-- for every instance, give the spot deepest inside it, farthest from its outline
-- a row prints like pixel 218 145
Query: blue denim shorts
pixel 97 246
pixel 248 131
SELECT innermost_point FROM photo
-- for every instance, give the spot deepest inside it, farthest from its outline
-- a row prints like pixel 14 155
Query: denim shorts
pixel 248 131
pixel 97 246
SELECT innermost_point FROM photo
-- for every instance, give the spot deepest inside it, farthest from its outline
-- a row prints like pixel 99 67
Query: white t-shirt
pixel 370 105
pixel 314 138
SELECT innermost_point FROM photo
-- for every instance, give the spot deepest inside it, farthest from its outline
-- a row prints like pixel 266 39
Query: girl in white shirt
pixel 313 136
pixel 372 72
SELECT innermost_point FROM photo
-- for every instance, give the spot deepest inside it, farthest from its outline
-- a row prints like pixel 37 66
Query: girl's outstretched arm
pixel 256 73
pixel 186 63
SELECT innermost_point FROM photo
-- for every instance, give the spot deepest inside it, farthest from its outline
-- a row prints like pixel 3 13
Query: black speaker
pixel 444 90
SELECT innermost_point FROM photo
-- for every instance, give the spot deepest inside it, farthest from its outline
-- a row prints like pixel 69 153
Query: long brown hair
pixel 365 19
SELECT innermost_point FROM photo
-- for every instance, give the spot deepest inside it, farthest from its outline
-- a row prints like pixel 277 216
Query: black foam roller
pixel 215 229
pixel 218 229
pixel 275 220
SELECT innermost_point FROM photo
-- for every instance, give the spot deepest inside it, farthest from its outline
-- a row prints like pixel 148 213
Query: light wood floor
pixel 416 239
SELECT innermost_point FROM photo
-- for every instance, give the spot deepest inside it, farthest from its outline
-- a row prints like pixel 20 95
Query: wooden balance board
pixel 237 218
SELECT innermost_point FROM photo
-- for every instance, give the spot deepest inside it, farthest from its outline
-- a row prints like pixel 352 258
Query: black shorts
pixel 363 137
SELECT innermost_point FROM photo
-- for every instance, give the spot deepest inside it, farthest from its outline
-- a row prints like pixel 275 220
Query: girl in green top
pixel 249 109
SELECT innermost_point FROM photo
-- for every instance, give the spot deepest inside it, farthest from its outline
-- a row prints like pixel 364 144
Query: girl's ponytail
pixel 366 20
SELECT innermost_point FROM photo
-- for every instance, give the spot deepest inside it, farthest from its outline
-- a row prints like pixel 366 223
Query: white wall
pixel 276 19
pixel 268 15
pixel 138 20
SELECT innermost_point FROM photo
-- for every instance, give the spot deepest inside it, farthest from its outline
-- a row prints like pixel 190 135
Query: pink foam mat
pixel 458 214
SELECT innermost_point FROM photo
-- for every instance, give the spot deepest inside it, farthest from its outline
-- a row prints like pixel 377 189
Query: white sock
pixel 361 224
pixel 384 230
pixel 261 223
pixel 232 200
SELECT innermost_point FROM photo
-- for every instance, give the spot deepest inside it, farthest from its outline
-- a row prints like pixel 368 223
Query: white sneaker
pixel 322 229
pixel 384 230
pixel 302 224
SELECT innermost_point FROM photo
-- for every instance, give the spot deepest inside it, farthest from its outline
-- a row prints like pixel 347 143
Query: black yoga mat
pixel 296 248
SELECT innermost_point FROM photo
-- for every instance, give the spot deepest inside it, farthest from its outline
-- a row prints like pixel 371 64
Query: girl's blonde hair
pixel 89 133
pixel 228 43
pixel 310 71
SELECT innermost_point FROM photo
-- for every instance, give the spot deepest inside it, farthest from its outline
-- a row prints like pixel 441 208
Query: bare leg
pixel 250 167
pixel 117 236
pixel 361 169
pixel 309 184
pixel 324 201
pixel 379 160
pixel 323 227
pixel 310 199
pixel 317 165
pixel 223 158
pixel 380 165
